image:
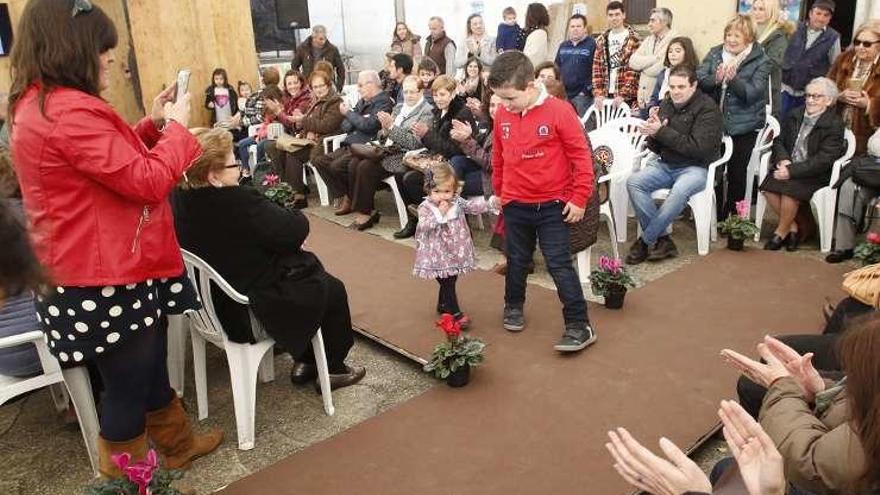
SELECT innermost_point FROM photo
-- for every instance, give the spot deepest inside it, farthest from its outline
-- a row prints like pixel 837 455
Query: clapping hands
pixel 419 129
pixel 782 361
pixel 461 131
pixel 760 463
pixel 385 119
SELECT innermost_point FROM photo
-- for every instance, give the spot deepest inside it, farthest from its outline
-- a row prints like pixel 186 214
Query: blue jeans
pixel 525 224
pixel 683 183
pixel 243 155
pixel 470 173
pixel 581 103
pixel 789 103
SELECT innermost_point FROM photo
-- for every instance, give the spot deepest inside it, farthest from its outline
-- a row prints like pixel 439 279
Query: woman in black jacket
pixel 257 246
pixel 803 156
pixel 448 108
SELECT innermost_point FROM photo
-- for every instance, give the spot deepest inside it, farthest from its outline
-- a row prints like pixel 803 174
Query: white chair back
pixel 616 149
pixel 205 320
pixel 274 130
pixel 606 114
pixel 629 126
pixel 847 156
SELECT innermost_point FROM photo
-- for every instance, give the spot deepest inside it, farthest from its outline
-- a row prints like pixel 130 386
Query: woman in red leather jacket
pixel 95 194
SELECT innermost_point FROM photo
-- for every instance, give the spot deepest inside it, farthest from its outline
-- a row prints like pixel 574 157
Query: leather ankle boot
pixel 136 448
pixel 171 432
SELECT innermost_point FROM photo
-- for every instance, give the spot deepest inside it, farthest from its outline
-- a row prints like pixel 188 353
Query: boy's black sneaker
pixel 514 319
pixel 638 252
pixel 577 336
pixel 663 248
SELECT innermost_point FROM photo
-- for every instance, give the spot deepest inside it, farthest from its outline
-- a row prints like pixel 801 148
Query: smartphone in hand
pixel 182 83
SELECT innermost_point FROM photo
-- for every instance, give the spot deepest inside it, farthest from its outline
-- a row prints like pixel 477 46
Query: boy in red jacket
pixel 542 170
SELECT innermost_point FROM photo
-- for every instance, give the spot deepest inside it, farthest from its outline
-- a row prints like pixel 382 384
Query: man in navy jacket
pixel 575 61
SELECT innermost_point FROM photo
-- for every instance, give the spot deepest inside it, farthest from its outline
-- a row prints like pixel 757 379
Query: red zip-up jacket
pixel 95 190
pixel 542 155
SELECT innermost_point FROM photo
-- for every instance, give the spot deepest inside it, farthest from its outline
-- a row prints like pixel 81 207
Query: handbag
pixel 292 144
pixel 602 158
pixel 585 233
pixel 368 151
pixel 863 285
pixel 865 171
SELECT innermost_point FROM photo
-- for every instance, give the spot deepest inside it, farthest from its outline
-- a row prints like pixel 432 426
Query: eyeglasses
pixel 865 43
pixel 237 164
pixel 319 86
pixel 813 96
pixel 81 6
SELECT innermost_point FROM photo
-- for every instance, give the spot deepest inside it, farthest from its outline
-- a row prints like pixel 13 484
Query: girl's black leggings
pixel 447 302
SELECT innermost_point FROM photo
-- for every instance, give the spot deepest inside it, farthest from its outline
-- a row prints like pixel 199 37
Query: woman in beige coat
pixel 828 433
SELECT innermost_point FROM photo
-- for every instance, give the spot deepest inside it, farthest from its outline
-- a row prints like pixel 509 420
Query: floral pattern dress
pixel 444 247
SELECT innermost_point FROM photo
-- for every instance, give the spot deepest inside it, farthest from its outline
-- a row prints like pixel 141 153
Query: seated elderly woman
pixel 803 155
pixel 827 432
pixel 321 118
pixel 257 246
pixel 366 174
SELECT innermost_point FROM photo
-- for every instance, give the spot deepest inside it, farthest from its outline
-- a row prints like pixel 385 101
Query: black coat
pixel 437 139
pixel 692 134
pixel 825 144
pixel 256 246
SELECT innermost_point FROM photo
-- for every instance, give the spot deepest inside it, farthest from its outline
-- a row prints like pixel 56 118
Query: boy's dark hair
pixel 272 92
pixel 690 55
pixel 403 61
pixel 682 70
pixel 508 11
pixel 511 69
pixel 615 5
pixel 220 72
pixel 58 50
pixel 271 77
pixel 427 64
pixel 579 16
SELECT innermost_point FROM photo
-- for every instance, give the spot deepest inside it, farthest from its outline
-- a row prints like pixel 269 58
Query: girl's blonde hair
pixel 444 81
pixel 744 24
pixel 441 172
pixel 216 145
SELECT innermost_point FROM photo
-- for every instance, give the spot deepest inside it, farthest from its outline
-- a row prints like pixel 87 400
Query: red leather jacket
pixel 95 190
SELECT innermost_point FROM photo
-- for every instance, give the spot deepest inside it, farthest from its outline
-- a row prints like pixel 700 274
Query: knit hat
pixel 874 144
pixel 824 5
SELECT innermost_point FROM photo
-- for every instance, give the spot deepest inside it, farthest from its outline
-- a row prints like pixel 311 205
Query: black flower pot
pixel 735 244
pixel 459 377
pixel 614 297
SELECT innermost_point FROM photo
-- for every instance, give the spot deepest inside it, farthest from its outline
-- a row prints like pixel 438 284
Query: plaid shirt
pixel 627 78
pixel 252 113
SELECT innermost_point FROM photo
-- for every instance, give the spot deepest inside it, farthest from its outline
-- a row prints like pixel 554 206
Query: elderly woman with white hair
pixel 803 155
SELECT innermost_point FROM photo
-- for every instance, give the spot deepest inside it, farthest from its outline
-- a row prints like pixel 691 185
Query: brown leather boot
pixel 171 432
pixel 136 447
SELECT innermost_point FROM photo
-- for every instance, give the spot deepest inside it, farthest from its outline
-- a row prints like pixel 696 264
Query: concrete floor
pixel 41 455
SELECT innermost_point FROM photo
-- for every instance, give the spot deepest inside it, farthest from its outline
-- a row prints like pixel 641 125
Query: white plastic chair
pixel 703 203
pixel 619 198
pixel 398 200
pixel 245 360
pixel 824 201
pixel 607 113
pixel 583 258
pixel 177 333
pixel 76 386
pixel 330 144
pixel 763 145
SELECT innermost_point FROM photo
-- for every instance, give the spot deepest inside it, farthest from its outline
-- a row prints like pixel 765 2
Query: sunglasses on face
pixel 865 43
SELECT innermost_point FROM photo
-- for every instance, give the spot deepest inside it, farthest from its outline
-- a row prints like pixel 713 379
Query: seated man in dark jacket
pixel 686 135
pixel 257 246
pixel 362 125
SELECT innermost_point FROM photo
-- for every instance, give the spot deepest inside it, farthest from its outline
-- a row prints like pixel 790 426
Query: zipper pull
pixel 144 218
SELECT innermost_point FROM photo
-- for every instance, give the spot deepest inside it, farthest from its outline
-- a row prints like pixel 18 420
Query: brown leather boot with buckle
pixel 136 448
pixel 171 432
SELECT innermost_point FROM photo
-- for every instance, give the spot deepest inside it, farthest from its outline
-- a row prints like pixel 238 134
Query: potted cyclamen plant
pixel 738 226
pixel 452 359
pixel 144 477
pixel 611 280
pixel 278 191
pixel 869 251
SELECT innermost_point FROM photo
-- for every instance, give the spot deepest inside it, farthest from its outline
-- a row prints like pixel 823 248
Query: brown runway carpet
pixel 532 421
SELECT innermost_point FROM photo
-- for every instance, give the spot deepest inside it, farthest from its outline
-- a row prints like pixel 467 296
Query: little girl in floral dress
pixel 444 248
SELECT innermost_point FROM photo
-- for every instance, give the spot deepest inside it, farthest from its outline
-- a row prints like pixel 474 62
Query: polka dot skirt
pixel 83 322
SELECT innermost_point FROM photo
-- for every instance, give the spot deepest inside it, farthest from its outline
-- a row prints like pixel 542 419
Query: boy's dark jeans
pixel 525 224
